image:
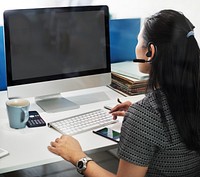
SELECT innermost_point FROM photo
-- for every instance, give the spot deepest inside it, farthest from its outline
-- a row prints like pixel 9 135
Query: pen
pixel 118 100
pixel 107 107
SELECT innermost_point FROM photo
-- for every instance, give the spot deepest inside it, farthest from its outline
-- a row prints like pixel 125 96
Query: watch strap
pixel 81 165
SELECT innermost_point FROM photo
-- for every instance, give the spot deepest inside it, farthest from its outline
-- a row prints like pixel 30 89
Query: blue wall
pixel 123 38
pixel 2 62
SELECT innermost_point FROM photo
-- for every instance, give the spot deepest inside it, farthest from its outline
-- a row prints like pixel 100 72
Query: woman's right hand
pixel 120 109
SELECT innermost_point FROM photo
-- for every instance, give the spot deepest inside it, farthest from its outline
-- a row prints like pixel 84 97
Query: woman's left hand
pixel 68 148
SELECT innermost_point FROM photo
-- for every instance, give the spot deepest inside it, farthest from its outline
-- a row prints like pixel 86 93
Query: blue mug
pixel 18 112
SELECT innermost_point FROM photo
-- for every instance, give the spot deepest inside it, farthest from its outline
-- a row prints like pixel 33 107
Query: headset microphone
pixel 148 54
pixel 141 60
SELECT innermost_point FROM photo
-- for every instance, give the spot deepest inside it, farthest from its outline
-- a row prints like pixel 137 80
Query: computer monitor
pixel 55 50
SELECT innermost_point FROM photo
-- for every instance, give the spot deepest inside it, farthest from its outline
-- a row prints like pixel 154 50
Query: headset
pixel 148 54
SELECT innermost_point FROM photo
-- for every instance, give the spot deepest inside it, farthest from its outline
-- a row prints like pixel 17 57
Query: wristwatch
pixel 81 165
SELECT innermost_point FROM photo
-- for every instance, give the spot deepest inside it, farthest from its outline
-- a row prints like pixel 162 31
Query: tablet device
pixel 108 133
pixel 3 152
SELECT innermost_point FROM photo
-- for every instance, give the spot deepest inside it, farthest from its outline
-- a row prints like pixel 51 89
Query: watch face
pixel 80 165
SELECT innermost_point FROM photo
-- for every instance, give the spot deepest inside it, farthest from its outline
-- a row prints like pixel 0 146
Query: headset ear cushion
pixel 148 54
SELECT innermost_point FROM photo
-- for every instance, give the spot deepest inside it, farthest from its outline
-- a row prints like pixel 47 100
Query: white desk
pixel 28 147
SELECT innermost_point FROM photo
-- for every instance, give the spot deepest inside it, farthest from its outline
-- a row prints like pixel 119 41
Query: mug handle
pixel 26 115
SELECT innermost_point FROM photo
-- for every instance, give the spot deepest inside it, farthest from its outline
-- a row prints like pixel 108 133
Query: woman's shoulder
pixel 149 104
pixel 145 118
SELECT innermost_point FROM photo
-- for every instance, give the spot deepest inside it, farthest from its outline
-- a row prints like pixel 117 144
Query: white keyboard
pixel 83 122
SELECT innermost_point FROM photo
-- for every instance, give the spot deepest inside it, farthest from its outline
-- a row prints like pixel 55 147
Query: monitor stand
pixel 55 103
pixel 89 98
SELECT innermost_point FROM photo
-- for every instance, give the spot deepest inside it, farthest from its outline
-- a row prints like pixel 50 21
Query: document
pixel 3 152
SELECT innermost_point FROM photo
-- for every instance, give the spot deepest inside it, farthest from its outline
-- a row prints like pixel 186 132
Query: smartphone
pixel 35 120
pixel 108 133
pixel 3 152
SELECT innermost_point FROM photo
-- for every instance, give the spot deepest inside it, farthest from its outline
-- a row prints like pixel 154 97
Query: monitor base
pixel 89 98
pixel 56 104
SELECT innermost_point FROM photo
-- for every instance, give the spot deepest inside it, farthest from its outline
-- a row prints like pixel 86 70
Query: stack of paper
pixel 130 69
pixel 128 85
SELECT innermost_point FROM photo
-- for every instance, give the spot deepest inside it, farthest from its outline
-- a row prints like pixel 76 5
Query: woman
pixel 160 135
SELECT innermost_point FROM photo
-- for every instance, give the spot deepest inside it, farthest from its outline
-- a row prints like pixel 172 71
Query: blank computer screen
pixel 56 41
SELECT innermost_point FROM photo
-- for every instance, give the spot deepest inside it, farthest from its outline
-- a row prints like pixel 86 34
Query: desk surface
pixel 28 147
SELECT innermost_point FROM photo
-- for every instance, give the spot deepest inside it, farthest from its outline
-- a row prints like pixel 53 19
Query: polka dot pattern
pixel 146 141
